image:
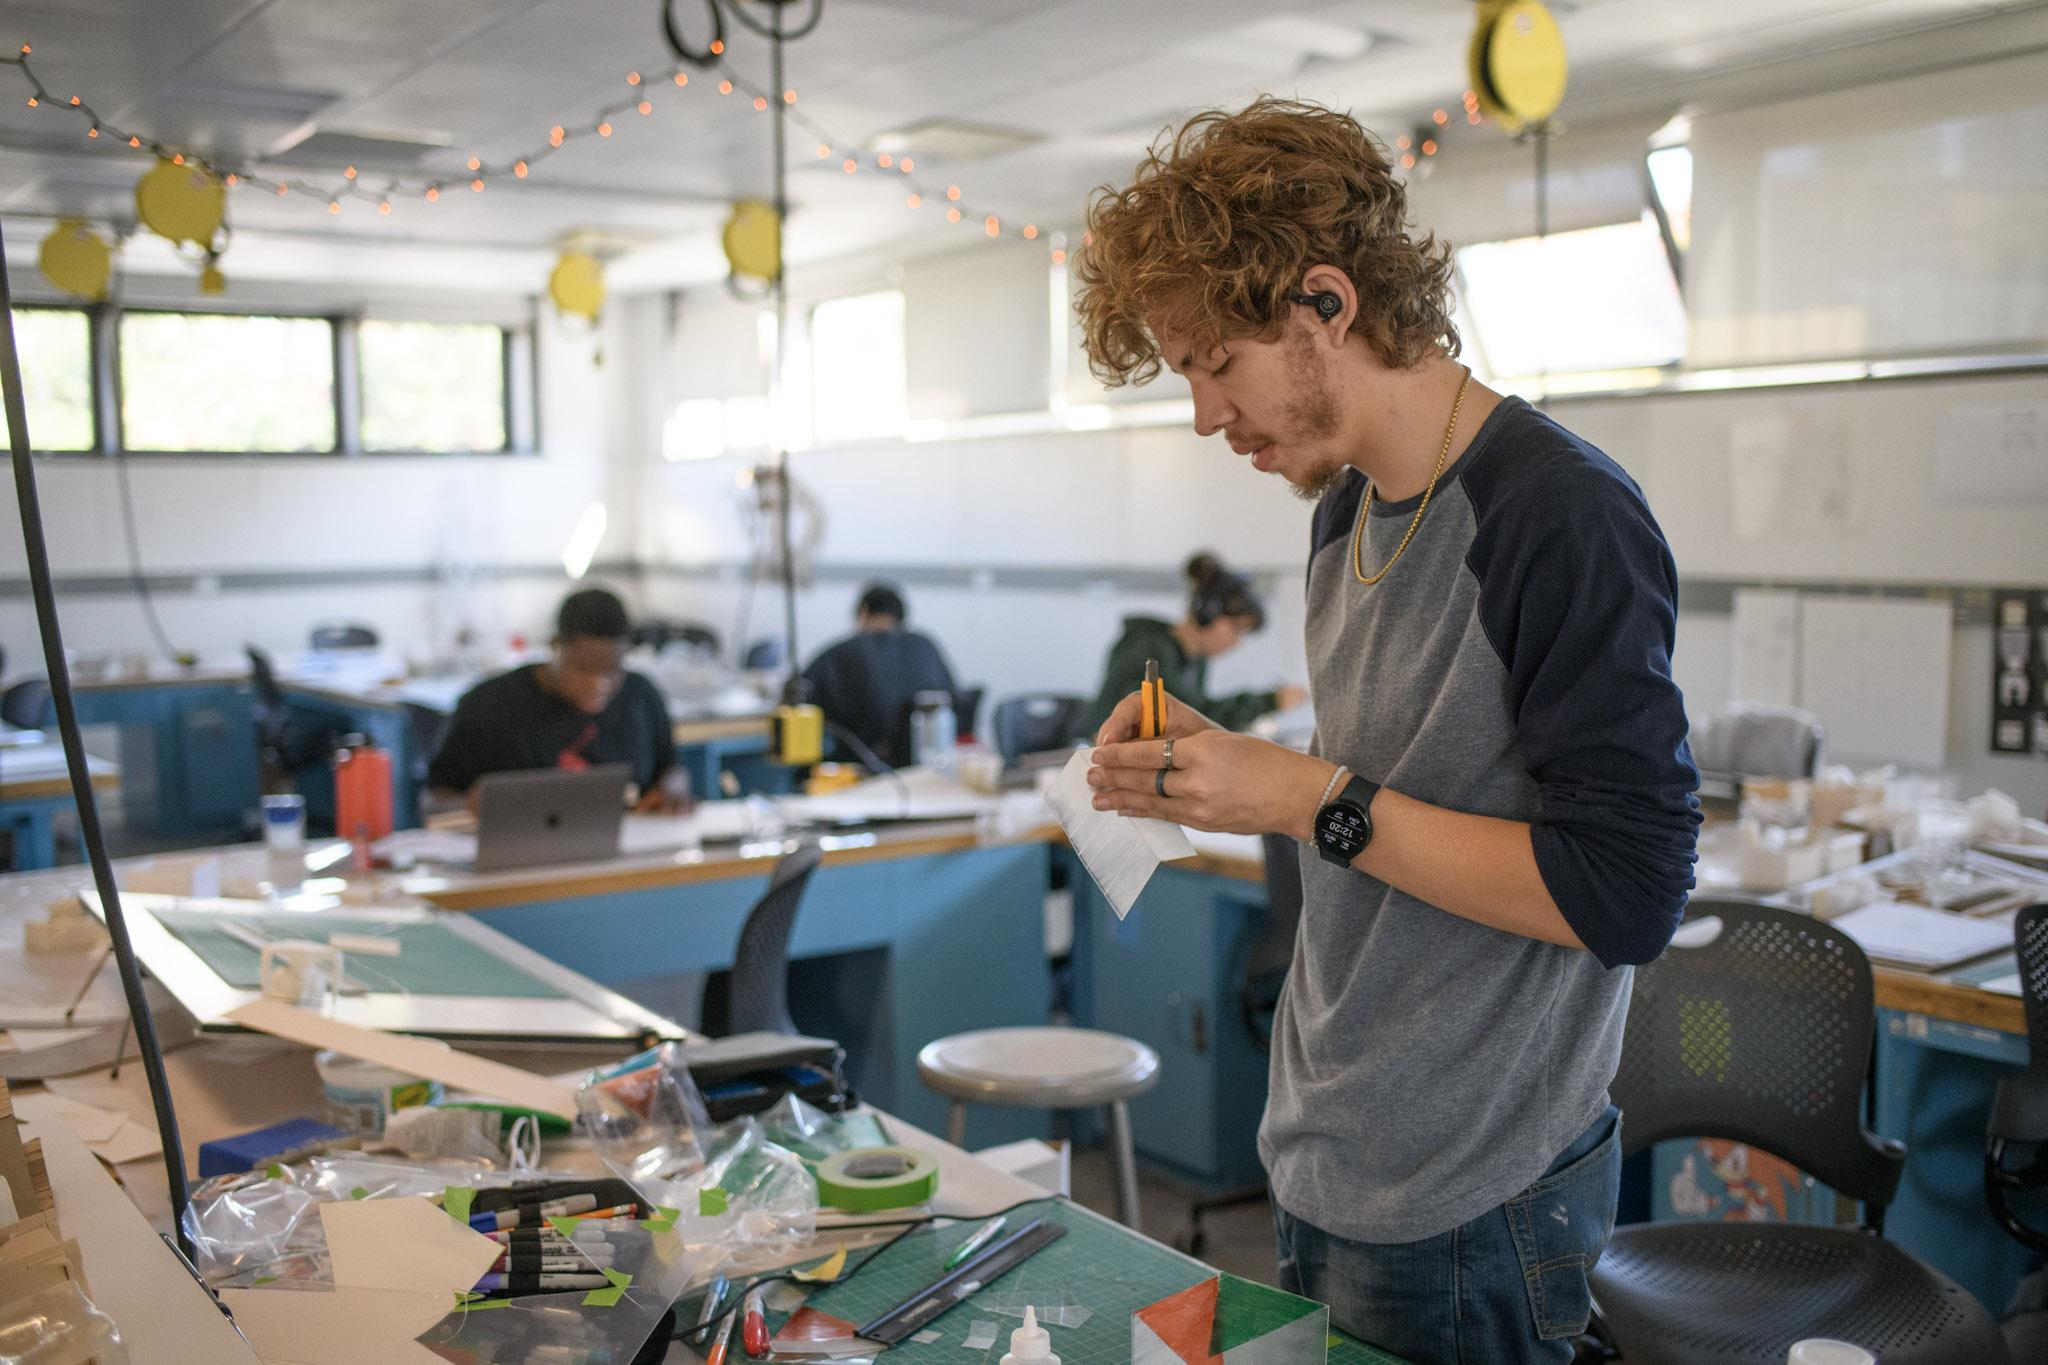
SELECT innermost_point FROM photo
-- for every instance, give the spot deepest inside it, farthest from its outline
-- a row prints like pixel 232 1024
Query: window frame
pixel 518 391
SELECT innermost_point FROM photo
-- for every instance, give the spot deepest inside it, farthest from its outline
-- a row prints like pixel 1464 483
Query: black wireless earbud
pixel 1327 305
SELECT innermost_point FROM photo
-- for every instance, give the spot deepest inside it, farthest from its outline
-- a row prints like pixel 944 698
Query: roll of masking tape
pixel 870 1178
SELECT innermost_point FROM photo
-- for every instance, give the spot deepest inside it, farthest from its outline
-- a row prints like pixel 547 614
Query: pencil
pixel 1152 703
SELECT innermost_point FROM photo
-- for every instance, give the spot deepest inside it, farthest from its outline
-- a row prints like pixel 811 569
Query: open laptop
pixel 548 815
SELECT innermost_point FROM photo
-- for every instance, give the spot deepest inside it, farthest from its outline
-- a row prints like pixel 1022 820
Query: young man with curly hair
pixel 1497 813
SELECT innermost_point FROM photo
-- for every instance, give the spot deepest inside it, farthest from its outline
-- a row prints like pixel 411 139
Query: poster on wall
pixel 2019 673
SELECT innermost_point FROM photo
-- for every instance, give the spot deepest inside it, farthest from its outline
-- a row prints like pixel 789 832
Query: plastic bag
pixel 58 1326
pixel 647 1118
pixel 241 1224
pixel 752 1206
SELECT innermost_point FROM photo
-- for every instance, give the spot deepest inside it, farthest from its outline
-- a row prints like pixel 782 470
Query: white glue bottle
pixel 1029 1344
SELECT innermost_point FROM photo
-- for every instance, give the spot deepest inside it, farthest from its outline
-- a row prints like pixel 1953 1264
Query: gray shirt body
pixel 1514 663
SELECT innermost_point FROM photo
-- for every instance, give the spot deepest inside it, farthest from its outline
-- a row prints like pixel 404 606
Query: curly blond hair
pixel 1212 236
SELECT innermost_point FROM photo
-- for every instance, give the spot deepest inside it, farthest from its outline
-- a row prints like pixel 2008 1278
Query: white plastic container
pixel 362 1095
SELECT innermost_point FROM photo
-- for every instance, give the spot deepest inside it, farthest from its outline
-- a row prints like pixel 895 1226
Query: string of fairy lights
pixel 599 124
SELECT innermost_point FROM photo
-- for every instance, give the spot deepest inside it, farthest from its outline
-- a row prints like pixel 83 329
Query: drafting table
pixel 473 984
pixel 35 785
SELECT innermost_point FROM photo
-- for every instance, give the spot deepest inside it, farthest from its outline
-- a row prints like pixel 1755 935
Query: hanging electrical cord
pixel 89 830
pixel 136 576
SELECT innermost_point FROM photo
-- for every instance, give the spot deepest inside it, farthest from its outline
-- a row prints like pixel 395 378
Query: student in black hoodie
pixel 1222 610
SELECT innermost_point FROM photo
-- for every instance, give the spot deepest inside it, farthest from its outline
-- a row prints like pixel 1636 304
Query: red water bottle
pixel 362 795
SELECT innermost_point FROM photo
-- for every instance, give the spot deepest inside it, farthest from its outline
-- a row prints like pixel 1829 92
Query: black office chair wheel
pixel 1742 1294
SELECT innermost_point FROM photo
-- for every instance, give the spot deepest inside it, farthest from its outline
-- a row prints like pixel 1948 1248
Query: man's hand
pixel 1181 720
pixel 1220 781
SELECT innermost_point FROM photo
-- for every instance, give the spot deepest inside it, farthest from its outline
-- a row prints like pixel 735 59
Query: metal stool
pixel 1046 1068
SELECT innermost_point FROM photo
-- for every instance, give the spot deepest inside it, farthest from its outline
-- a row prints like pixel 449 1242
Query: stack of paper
pixel 1914 936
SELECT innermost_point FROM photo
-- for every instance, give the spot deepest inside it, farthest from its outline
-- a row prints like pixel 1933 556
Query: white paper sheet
pixel 428 846
pixel 1917 937
pixel 1120 852
pixel 408 1245
pixel 2009 984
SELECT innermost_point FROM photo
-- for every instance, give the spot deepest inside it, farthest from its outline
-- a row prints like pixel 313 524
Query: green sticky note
pixel 262 1280
pixel 457 1199
pixel 712 1201
pixel 275 1171
pixel 566 1226
pixel 609 1298
pixel 664 1218
pixel 359 1193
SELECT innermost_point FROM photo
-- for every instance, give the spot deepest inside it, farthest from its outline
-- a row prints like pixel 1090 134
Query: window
pixel 215 381
pixel 1671 181
pixel 1597 299
pixel 858 381
pixel 55 345
pixel 431 386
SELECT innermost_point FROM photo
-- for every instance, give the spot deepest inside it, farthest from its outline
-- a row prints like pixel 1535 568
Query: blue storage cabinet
pixel 1168 975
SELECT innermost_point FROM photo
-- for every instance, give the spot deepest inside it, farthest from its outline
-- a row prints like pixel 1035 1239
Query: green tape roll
pixel 870 1178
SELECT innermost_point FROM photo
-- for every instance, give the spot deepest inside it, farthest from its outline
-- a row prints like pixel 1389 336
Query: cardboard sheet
pixel 407 1245
pixel 424 1057
pixel 345 1327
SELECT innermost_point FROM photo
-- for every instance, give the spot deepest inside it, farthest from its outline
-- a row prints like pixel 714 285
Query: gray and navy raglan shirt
pixel 1515 663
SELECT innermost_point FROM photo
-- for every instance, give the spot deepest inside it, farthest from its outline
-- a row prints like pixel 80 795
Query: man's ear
pixel 1328 279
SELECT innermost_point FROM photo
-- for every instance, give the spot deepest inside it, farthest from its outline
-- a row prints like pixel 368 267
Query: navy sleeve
pixel 460 760
pixel 661 735
pixel 1578 595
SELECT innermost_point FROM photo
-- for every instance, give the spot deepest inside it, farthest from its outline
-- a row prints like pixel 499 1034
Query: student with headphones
pixel 1222 610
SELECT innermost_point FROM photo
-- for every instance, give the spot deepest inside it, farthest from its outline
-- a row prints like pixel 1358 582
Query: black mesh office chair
pixel 1035 722
pixel 26 705
pixel 1258 998
pixel 284 745
pixel 2019 1110
pixel 342 635
pixel 1757 1026
pixel 754 996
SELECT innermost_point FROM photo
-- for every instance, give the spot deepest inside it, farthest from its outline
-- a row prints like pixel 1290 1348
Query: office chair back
pixel 2019 1107
pixel 1756 1025
pixel 1035 722
pixel 1750 739
pixel 344 635
pixel 1272 949
pixel 26 705
pixel 754 996
pixel 763 654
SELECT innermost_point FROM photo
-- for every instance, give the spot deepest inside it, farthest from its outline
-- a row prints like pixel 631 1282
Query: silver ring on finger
pixel 1166 758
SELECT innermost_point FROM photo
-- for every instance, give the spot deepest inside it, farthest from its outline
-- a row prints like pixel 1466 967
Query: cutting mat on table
pixel 1098 1265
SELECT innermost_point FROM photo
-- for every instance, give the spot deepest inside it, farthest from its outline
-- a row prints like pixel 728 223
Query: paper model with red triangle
pixel 1228 1321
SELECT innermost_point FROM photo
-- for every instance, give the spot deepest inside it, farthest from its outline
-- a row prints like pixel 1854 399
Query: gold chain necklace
pixel 1358 532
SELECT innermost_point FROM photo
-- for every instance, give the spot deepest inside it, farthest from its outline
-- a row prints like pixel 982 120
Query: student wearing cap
pixel 577 709
pixel 1222 610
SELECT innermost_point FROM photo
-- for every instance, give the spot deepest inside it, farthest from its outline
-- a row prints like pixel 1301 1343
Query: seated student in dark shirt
pixel 867 681
pixel 579 709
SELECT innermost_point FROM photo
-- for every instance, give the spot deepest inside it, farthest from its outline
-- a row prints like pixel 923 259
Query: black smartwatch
pixel 1344 827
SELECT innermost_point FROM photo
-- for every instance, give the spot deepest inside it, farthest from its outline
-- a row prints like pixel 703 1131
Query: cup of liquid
pixel 284 823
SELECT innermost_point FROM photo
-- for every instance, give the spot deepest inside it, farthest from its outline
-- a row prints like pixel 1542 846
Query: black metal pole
pixel 785 490
pixel 74 760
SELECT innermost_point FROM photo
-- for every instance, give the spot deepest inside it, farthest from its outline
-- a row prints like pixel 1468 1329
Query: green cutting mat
pixel 432 959
pixel 1102 1266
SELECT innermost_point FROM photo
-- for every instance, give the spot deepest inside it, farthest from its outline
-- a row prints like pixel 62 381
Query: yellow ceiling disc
pixel 1525 62
pixel 577 285
pixel 76 259
pixel 182 203
pixel 753 240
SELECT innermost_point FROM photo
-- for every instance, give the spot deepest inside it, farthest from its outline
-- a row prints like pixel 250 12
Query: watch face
pixel 1343 828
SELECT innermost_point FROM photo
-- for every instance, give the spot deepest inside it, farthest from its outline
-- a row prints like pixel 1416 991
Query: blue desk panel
pixel 1169 975
pixel 31 821
pixel 188 758
pixel 918 947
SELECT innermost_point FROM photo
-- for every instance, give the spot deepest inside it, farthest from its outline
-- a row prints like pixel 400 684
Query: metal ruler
pixel 969 1278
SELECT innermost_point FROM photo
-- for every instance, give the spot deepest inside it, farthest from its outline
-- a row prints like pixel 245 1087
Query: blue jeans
pixel 1508 1286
